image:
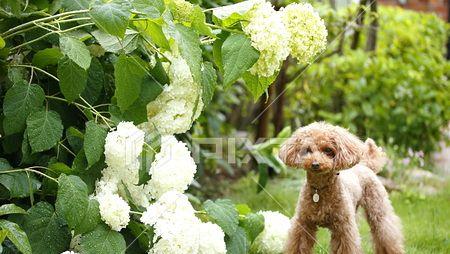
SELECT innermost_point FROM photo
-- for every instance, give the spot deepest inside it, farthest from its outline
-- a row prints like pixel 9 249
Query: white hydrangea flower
pixel 123 146
pixel 170 209
pixel 172 169
pixel 275 233
pixel 69 252
pixel 269 36
pixel 179 104
pixel 184 239
pixel 308 31
pixel 211 239
pixel 114 210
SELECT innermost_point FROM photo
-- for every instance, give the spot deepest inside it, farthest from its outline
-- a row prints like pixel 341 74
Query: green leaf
pixel 2 43
pixel 47 232
pixel 253 224
pixel 189 46
pixel 238 56
pixel 16 235
pixel 257 85
pixel 72 78
pixel 94 142
pixel 153 139
pixel 198 20
pixel 91 218
pixel 75 138
pixel 44 130
pixel 45 57
pixel 72 199
pixel 113 44
pixel 209 82
pixel 80 162
pixel 153 9
pixel 10 208
pixel 129 73
pixel 152 30
pixel 102 240
pixel 237 243
pixel 17 183
pixel 111 18
pixel 20 100
pixel 71 5
pixel 224 214
pixel 76 51
pixel 263 170
pixel 95 82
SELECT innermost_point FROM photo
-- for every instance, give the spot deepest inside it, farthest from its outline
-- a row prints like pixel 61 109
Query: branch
pixel 359 21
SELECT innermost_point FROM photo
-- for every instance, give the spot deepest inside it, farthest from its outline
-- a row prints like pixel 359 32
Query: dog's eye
pixel 308 150
pixel 328 151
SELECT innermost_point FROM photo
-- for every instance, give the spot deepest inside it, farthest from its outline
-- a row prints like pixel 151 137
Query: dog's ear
pixel 349 149
pixel 288 152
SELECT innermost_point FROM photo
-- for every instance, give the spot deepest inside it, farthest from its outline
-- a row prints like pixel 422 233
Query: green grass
pixel 426 220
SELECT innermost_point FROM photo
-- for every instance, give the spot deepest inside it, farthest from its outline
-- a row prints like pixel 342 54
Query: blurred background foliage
pixel 384 75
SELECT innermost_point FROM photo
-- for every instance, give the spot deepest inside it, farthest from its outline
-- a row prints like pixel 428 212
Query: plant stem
pixel 28 170
pixel 35 68
pixel 42 20
pixel 48 34
pixel 225 29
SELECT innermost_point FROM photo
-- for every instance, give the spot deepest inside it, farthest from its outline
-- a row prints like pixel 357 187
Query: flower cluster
pixel 69 252
pixel 122 149
pixel 296 29
pixel 172 169
pixel 275 233
pixel 269 36
pixel 180 103
pixel 307 29
pixel 178 230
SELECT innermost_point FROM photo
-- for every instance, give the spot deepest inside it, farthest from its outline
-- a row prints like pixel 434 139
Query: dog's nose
pixel 315 165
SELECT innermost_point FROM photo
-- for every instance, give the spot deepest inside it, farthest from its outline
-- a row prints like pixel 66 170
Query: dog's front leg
pixel 302 237
pixel 345 237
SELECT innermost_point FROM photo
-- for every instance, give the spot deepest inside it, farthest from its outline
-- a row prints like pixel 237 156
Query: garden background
pixel 384 74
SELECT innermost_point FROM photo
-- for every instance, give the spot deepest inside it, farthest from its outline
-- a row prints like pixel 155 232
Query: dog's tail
pixel 373 157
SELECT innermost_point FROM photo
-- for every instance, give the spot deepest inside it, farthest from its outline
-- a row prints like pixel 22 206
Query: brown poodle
pixel 341 176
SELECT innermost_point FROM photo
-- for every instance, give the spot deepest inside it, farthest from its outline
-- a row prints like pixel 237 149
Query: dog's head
pixel 321 147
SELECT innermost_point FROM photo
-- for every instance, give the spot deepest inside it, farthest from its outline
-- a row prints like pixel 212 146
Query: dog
pixel 340 177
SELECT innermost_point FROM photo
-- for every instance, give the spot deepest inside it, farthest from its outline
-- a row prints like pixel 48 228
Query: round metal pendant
pixel 316 197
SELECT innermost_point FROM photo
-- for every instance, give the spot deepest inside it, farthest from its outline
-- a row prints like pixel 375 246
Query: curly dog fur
pixel 341 169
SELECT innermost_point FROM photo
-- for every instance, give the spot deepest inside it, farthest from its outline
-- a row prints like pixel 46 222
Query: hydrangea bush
pixel 93 93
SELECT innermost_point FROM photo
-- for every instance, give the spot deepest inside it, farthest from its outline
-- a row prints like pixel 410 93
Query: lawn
pixel 426 221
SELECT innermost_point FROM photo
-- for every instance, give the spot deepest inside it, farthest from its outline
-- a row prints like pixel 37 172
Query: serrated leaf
pixel 111 18
pixel 189 46
pixel 95 82
pixel 129 73
pixel 153 31
pixel 11 208
pixel 224 214
pixel 257 85
pixel 17 183
pixel 238 56
pixel 237 243
pixel 71 5
pixel 72 78
pixel 153 9
pixel 44 130
pixel 45 57
pixel 91 218
pixel 72 199
pixel 209 82
pixel 46 231
pixel 16 235
pixel 20 100
pixel 102 240
pixel 253 224
pixel 80 162
pixel 75 138
pixel 198 20
pixel 76 51
pixel 113 44
pixel 94 142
